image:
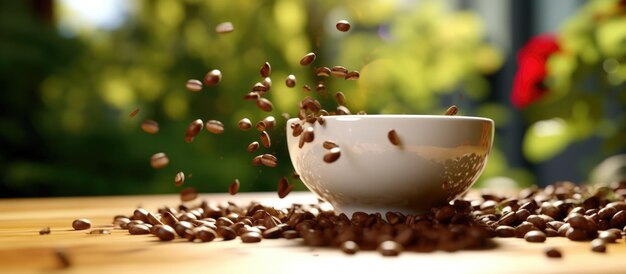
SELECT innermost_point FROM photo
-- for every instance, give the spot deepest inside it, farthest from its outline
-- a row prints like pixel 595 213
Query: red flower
pixel 528 85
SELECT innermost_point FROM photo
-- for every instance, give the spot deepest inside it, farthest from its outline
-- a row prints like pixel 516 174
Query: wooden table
pixel 23 250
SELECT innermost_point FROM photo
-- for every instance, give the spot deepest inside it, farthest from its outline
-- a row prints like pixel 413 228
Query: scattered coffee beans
pixel 179 179
pixel 193 85
pixel 234 187
pixel 212 78
pixel 266 70
pixel 159 160
pixel 452 110
pixel 307 59
pixel 224 27
pixel 188 194
pixel 215 127
pixel 81 224
pixel 150 126
pixel 392 135
pixel 343 25
pixel 290 81
pixel 44 231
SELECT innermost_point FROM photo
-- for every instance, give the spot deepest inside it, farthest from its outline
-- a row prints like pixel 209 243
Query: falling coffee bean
pixel 338 71
pixel 393 137
pixel 265 139
pixel 212 78
pixel 193 85
pixel 81 224
pixel 264 104
pixel 179 179
pixel 234 187
pixel 224 27
pixel 341 98
pixel 188 194
pixel 159 160
pixel 322 72
pixel 284 187
pixel 244 124
pixel 353 75
pixel 343 25
pixel 452 110
pixel 329 144
pixel 133 113
pixel 193 129
pixel 308 135
pixel 44 231
pixel 306 88
pixel 252 147
pixel 266 70
pixel 269 160
pixel 150 126
pixel 290 81
pixel 307 59
pixel 214 126
pixel 332 155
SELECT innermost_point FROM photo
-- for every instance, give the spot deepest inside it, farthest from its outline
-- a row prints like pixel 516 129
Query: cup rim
pixel 353 117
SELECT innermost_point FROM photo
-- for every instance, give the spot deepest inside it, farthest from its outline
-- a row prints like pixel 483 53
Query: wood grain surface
pixel 23 250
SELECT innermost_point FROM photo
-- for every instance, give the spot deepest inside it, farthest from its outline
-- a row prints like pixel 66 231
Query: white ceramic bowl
pixel 439 158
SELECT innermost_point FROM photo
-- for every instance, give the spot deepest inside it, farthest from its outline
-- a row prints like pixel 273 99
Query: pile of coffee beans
pixel 564 209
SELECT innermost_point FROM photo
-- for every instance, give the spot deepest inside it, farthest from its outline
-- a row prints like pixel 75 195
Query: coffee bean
pixel 343 25
pixel 212 78
pixel 332 155
pixel 214 126
pixel 264 104
pixel 267 82
pixel 153 219
pixel 349 247
pixel 100 231
pixel 81 224
pixel 444 213
pixel 44 231
pixel 290 82
pixel 284 187
pixel 607 213
pixel 322 72
pixel 260 88
pixel 252 96
pixel 265 139
pixel 296 130
pixel 307 59
pixel 159 160
pixel 576 234
pixel 139 230
pixel 353 75
pixel 150 126
pixel 224 27
pixel 193 129
pixel 251 237
pixel 256 161
pixel 598 245
pixel 269 122
pixel 182 227
pixel 552 252
pixel 537 221
pixel 341 99
pixel 338 71
pixel 133 113
pixel 188 194
pixel 205 234
pixel 179 179
pixel 452 110
pixel 522 214
pixel 226 233
pixel 269 160
pixel 234 187
pixel 320 88
pixel 619 219
pixel 62 257
pixel 535 236
pixel 329 144
pixel 252 147
pixel 266 70
pixel 193 85
pixel 389 248
pixel 165 233
pixel 308 135
pixel 523 228
pixel 392 135
pixel 244 124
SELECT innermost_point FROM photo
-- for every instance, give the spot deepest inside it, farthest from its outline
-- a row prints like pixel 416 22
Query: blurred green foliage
pixel 70 118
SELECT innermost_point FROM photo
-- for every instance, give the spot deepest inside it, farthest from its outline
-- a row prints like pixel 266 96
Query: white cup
pixel 439 158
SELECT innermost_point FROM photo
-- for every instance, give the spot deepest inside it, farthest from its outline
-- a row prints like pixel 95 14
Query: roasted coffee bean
pixel 244 124
pixel 214 126
pixel 256 161
pixel 537 221
pixel 284 187
pixel 141 215
pixel 608 237
pixel 179 179
pixel 552 252
pixel 306 88
pixel 508 219
pixel 575 234
pixel 269 122
pixel 150 126
pixel 297 130
pixel 251 237
pixel 224 27
pixel 598 245
pixel 523 228
pixel 321 120
pixel 322 72
pixel 269 160
pixel 165 233
pixel 139 229
pixel 452 110
pixel 341 99
pixel 205 234
pixel 444 213
pixel 260 88
pixel 338 71
pixel 389 248
pixel 188 194
pixel 133 113
pixel 343 25
pixel 550 232
pixel 353 75
pixel 193 129
pixel 81 224
pixel 290 82
pixel 234 187
pixel 252 147
pixel 504 231
pixel 266 70
pixel 182 227
pixel 153 219
pixel 100 231
pixel 252 96
pixel 290 234
pixel 349 247
pixel 307 59
pixel 619 219
pixel 392 135
pixel 159 160
pixel 578 221
pixel 226 233
pixel 264 104
pixel 267 82
pixel 320 88
pixel 212 78
pixel 535 236
pixel 329 144
pixel 265 139
pixel 193 85
pixel 308 135
pixel 550 210
pixel 607 213
pixel 44 231
pixel 343 110
pixel 332 155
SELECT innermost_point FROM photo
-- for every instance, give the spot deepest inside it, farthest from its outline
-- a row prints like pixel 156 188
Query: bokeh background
pixel 550 73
